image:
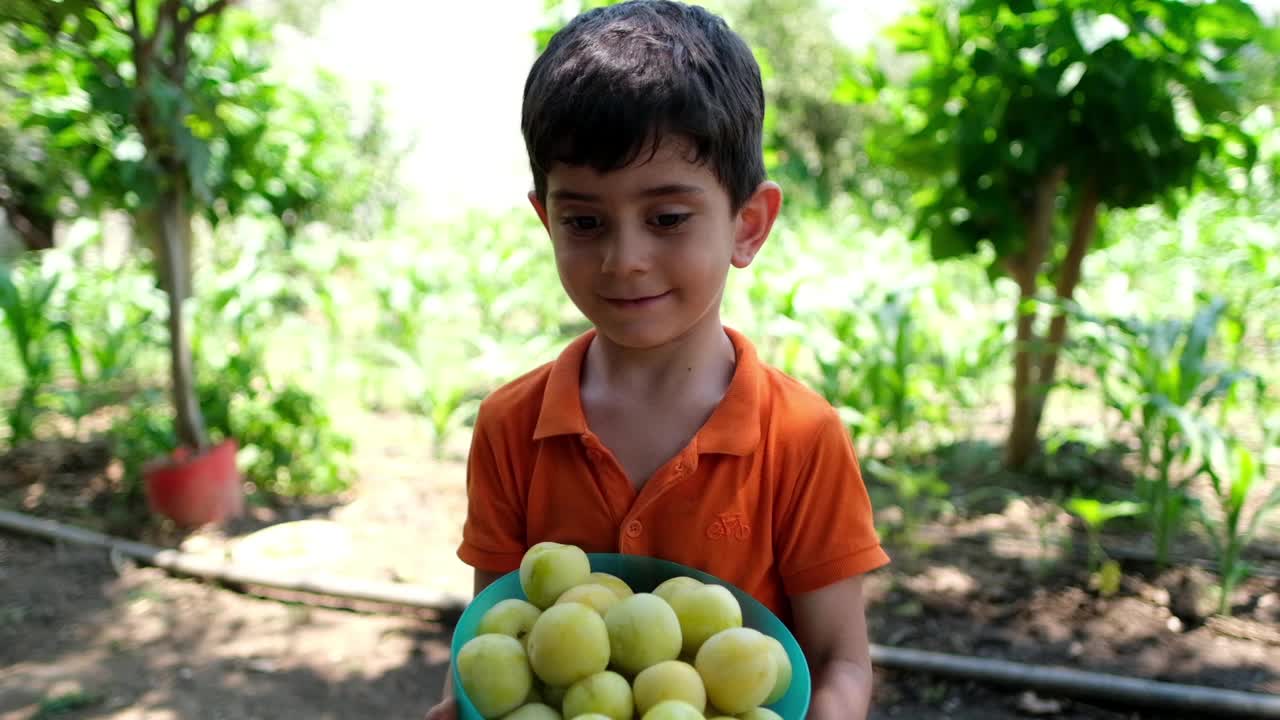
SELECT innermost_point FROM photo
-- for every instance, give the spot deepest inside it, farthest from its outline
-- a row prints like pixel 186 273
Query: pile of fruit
pixel 582 645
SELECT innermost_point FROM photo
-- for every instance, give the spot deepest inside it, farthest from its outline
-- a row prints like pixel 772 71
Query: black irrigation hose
pixel 1061 681
pixel 1080 684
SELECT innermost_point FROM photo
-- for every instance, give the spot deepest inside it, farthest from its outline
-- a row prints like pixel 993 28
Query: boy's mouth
pixel 638 301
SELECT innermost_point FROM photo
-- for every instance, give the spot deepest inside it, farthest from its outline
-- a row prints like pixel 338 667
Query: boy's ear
pixel 755 220
pixel 539 208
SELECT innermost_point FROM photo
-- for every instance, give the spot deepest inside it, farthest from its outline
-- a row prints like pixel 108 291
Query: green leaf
pixel 1087 509
pixel 1213 528
pixel 1244 473
pixel 1096 514
pixel 1268 505
pixel 73 350
pixel 86 31
pixel 1191 362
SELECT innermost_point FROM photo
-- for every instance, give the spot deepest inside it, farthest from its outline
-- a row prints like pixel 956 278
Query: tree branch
pixel 135 31
pixel 196 16
pixel 177 65
pixel 1025 266
pixel 97 7
pixel 144 47
pixel 1025 269
pixel 169 10
pixel 104 68
pixel 1083 232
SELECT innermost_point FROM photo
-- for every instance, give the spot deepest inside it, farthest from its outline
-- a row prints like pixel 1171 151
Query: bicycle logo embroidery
pixel 729 525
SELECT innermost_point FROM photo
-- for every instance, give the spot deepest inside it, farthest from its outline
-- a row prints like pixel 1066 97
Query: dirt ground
pixel 83 636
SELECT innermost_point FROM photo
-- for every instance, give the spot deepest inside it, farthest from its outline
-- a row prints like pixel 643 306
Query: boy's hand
pixel 445 710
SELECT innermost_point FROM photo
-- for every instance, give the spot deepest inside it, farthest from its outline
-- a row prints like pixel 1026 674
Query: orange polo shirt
pixel 767 495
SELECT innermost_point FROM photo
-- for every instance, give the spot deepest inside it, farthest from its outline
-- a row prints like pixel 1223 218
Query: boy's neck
pixel 703 358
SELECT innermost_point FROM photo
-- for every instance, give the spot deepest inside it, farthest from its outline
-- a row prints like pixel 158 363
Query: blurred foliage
pixel 1022 121
pixel 166 110
pixel 295 150
pixel 82 329
pixel 1164 380
pixel 1146 106
pixel 1237 475
pixel 37 334
pixel 290 446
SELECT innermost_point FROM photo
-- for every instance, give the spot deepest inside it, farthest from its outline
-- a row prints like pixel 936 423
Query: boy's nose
pixel 626 252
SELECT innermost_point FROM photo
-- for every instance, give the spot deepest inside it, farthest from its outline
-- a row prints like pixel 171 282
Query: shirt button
pixel 679 468
pixel 634 529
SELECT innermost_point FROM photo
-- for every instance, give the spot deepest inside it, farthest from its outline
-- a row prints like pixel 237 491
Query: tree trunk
pixel 1022 432
pixel 1025 269
pixel 1082 233
pixel 32 224
pixel 175 226
pixel 148 232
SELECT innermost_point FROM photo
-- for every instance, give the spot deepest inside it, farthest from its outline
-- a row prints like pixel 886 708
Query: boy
pixel 659 431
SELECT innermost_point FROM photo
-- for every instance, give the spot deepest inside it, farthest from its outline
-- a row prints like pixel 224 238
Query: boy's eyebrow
pixel 656 191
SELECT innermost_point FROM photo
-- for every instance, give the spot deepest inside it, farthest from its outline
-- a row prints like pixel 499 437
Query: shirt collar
pixel 733 428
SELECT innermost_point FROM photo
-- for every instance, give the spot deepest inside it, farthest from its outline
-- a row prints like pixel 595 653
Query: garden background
pixel 1029 249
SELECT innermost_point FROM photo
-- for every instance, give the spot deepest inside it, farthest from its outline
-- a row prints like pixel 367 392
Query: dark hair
pixel 618 78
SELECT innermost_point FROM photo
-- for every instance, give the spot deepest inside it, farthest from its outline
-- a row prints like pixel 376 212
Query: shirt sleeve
pixel 827 531
pixel 494 530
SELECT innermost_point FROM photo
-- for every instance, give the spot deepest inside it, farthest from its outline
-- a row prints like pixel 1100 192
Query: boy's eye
pixel 582 223
pixel 670 220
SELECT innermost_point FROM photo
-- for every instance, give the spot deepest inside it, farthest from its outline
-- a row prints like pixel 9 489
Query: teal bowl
pixel 644 574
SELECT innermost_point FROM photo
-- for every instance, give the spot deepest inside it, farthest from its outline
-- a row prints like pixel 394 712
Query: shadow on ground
pixel 92 640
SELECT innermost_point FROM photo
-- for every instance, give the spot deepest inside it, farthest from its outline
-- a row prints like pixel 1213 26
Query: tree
pixel 1023 120
pixel 165 109
pixel 297 152
pixel 151 99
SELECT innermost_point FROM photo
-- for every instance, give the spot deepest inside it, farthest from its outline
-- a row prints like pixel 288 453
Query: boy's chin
pixel 630 340
pixel 643 338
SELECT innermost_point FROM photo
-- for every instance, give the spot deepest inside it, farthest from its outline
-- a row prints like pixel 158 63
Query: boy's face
pixel 644 251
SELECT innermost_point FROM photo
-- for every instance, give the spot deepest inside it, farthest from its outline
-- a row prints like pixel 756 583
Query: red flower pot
pixel 194 489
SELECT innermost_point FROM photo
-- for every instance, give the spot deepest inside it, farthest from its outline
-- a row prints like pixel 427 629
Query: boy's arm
pixel 831 626
pixel 827 542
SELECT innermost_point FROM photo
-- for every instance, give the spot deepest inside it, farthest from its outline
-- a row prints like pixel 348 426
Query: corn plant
pixel 27 302
pixel 289 443
pixel 773 319
pixel 1161 378
pixel 508 276
pixel 879 370
pixel 114 313
pixel 1095 514
pixel 142 433
pixel 446 406
pixel 1236 474
pixel 919 494
pixel 407 301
